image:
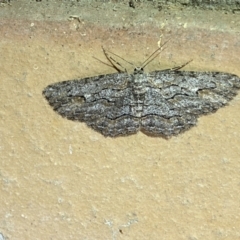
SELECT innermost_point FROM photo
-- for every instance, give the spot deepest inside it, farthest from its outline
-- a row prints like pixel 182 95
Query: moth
pixel 160 103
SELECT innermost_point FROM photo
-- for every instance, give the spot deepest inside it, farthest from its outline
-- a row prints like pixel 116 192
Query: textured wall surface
pixel 62 180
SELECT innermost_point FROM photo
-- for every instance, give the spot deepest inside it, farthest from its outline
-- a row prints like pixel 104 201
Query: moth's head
pixel 138 70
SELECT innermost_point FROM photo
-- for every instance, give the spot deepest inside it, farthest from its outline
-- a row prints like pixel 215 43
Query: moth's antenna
pixel 159 50
pixel 178 67
pixel 114 63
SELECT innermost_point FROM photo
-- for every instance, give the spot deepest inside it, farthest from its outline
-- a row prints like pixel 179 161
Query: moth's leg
pixel 120 58
pixel 113 62
pixel 178 67
pixel 152 80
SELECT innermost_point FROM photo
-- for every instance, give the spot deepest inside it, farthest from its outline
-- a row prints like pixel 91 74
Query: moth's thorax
pixel 139 81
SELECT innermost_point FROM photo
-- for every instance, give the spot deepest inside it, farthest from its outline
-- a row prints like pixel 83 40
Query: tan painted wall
pixel 61 180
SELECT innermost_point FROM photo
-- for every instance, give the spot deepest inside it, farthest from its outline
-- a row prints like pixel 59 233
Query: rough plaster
pixel 61 180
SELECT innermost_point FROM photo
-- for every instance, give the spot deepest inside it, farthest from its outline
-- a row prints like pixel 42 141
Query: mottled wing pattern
pixel 102 102
pixel 177 98
pixel 169 101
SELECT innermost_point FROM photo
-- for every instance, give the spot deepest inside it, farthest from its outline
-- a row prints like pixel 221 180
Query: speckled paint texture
pixel 62 180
